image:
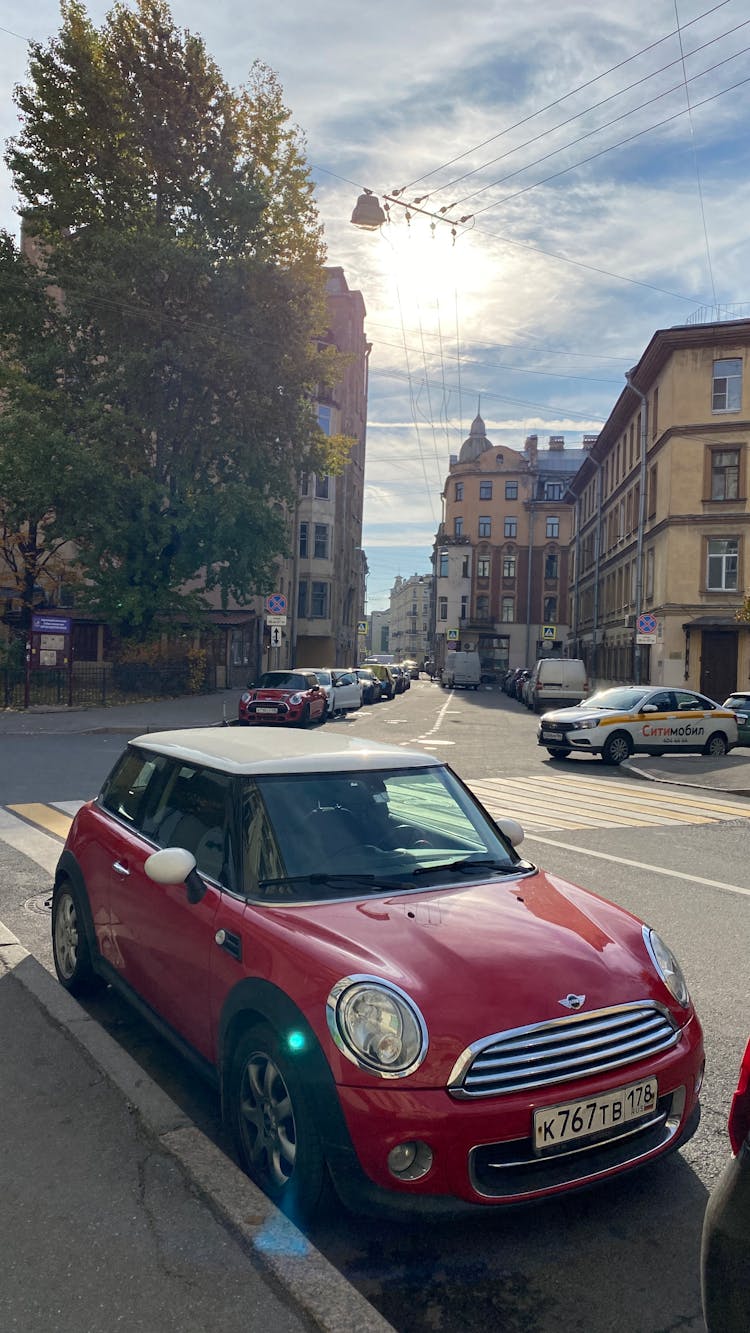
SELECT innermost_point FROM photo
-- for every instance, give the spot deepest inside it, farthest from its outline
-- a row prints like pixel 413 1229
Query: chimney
pixel 589 441
pixel 530 448
pixel 557 442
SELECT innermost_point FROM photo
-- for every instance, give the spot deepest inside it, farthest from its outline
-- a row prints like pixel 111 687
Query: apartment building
pixel 662 522
pixel 501 553
pixel 410 617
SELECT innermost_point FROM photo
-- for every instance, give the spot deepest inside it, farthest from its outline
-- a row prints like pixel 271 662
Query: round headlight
pixel 667 966
pixel 296 699
pixel 245 697
pixel 377 1026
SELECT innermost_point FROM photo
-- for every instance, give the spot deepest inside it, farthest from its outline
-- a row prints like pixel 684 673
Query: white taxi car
pixel 648 719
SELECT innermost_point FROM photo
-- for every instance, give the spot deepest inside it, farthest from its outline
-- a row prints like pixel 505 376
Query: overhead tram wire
pixel 695 160
pixel 557 102
pixel 587 111
pixel 598 129
pixel 516 347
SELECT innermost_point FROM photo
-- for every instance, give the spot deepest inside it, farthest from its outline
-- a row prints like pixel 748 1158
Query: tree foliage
pixel 177 217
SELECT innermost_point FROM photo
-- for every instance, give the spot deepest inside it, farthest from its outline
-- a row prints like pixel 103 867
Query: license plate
pixel 266 710
pixel 594 1115
pixel 550 735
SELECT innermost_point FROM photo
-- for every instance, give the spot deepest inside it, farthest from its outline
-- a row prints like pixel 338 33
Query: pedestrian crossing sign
pixel 549 632
pixel 452 635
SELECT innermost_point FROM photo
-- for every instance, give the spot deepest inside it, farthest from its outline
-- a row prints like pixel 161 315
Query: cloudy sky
pixel 601 156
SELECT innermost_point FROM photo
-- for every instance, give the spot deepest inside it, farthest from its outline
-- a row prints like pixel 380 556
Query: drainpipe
pixel 528 584
pixel 597 566
pixel 638 662
pixel 576 582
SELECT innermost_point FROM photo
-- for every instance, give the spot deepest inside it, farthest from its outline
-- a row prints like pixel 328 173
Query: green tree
pixel 177 217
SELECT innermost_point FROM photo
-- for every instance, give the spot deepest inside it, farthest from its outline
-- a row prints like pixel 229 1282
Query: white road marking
pixel 643 865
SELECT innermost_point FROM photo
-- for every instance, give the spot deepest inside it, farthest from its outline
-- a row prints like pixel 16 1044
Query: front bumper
pixel 482 1149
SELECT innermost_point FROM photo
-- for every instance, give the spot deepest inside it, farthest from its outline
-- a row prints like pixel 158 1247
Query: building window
pixel 320 550
pixel 725 474
pixel 510 527
pixel 464 606
pixel 442 608
pixel 483 607
pixel 321 488
pixel 319 601
pixel 553 527
pixel 303 530
pixel 506 610
pixel 553 490
pixel 726 393
pixel 324 418
pixel 511 490
pixel 304 483
pixel 550 566
pixel 302 600
pixel 721 573
pixel 652 491
pixel 459 490
pixel 550 610
pixel 509 567
pixel 485 527
pixel 465 567
pixel 458 527
pixel 649 576
pixel 483 569
pixel 443 566
pixel 485 490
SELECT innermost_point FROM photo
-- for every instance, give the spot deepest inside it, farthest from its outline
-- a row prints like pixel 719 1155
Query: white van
pixel 558 682
pixel 461 670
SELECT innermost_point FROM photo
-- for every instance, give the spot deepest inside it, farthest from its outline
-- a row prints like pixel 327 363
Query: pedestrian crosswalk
pixel 572 802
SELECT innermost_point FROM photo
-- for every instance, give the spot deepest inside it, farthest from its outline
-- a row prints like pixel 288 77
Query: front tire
pixel 616 749
pixel 274 1126
pixel 716 745
pixel 559 752
pixel 304 720
pixel 70 946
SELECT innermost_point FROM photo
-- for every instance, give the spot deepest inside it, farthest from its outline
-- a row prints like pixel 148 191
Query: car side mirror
pixel 512 829
pixel 176 865
pixel 649 708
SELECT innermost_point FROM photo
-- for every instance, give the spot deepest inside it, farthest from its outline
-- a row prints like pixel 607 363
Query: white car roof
pixel 278 750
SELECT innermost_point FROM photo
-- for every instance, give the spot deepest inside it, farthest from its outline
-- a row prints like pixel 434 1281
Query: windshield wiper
pixel 321 877
pixel 468 864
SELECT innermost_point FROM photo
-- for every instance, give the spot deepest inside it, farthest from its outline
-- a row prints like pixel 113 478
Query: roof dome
pixel 476 443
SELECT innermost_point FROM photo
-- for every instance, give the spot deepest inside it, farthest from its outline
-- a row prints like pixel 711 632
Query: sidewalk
pixel 730 774
pixel 192 710
pixel 115 1212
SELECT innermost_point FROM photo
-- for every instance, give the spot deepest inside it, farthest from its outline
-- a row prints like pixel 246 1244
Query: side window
pixel 260 855
pixel 665 702
pixel 689 702
pixel 124 791
pixel 193 811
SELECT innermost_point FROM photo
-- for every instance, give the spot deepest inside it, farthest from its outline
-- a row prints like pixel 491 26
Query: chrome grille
pixel 562 1050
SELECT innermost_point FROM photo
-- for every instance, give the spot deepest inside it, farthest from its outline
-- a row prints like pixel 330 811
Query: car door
pixel 654 730
pixel 347 694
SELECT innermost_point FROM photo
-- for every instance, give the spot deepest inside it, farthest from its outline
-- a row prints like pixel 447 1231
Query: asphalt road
pixel 622 1258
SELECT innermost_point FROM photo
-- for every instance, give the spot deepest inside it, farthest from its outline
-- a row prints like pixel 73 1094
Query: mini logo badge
pixel 573 1001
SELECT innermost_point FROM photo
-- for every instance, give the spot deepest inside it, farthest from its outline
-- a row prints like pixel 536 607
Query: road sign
pixel 549 632
pixel 452 635
pixel 646 624
pixel 276 604
pixel 275 636
pixel 275 620
pixel 361 626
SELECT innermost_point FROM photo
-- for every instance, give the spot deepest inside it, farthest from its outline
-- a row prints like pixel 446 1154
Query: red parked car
pixel 389 998
pixel 284 697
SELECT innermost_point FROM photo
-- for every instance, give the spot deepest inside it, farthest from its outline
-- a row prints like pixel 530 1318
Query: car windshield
pixel 323 676
pixel 281 680
pixel 624 699
pixel 329 835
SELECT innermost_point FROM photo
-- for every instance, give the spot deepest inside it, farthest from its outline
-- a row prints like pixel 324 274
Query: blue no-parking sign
pixel 276 604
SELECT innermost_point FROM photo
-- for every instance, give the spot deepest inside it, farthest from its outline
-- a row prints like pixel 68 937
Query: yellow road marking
pixel 45 817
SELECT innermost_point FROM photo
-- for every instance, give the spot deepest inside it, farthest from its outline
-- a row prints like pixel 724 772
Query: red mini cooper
pixel 389 998
pixel 294 697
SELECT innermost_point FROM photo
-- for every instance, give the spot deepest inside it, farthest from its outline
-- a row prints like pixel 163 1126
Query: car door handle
pixel 119 868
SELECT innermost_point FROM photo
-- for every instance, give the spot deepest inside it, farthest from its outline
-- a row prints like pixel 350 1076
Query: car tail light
pixel 739 1112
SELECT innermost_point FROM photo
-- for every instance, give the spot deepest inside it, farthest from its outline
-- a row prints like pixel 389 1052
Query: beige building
pixel 662 522
pixel 410 609
pixel 501 554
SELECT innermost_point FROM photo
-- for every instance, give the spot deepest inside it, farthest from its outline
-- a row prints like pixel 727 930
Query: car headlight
pixel 296 699
pixel 581 726
pixel 667 966
pixel 245 697
pixel 376 1026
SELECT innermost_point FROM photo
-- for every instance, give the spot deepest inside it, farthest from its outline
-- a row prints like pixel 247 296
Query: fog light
pixel 410 1161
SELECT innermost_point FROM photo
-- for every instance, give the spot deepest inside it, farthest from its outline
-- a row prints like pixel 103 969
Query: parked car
pixel 342 690
pixel 412 667
pixel 406 672
pixel 283 697
pixel 385 676
pixel 371 688
pixel 725 1245
pixel 643 719
pixel 739 702
pixel 521 677
pixel 461 670
pixel 557 682
pixel 289 912
pixel 400 679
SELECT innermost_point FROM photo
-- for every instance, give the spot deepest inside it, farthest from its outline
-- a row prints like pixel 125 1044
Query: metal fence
pixel 95 684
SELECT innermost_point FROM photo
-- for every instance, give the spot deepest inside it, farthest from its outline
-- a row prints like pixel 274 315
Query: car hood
pixel 478 959
pixel 274 694
pixel 580 713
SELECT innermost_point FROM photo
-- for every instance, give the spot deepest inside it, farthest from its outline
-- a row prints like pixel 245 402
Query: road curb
pixel 678 782
pixel 285 1253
